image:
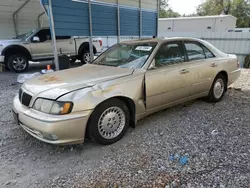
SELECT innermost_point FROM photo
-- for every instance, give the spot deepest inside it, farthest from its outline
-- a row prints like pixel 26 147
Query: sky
pixel 184 6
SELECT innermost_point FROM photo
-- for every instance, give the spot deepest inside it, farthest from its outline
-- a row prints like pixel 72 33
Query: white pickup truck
pixel 37 46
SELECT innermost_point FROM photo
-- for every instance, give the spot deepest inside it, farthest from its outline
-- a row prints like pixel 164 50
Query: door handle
pixel 184 71
pixel 214 65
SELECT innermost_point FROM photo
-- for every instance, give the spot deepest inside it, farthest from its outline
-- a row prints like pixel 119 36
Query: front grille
pixel 24 98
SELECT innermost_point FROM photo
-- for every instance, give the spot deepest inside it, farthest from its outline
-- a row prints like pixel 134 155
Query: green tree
pixel 214 7
pixel 171 14
pixel 166 11
pixel 163 7
pixel 238 8
pixel 241 10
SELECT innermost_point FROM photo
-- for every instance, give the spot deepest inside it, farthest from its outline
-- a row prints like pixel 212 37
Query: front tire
pixel 109 122
pixel 218 89
pixel 18 63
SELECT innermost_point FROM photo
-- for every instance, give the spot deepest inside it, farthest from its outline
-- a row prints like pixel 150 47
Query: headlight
pixel 53 107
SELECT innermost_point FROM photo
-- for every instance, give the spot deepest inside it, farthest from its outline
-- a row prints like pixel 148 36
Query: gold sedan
pixel 126 83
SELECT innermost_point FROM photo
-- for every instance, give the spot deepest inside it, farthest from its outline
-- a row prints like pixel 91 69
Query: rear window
pixel 208 53
pixel 194 51
pixel 62 37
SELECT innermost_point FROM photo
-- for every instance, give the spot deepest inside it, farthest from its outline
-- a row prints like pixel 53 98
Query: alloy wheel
pixel 111 123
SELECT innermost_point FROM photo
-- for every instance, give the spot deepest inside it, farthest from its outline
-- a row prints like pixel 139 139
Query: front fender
pixel 16 48
pixel 90 98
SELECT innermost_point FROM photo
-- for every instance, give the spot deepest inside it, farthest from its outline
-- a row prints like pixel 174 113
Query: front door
pixel 167 82
pixel 42 48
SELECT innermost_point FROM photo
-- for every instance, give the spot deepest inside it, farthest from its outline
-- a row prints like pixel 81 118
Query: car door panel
pixel 202 76
pixel 166 86
pixel 203 68
pixel 42 49
pixel 168 82
pixel 66 45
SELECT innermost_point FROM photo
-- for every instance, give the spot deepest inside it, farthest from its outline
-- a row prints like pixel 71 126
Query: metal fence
pixel 232 43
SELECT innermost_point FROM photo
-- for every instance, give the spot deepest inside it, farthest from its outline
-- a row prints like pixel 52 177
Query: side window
pixel 208 53
pixel 194 51
pixel 62 37
pixel 168 54
pixel 44 35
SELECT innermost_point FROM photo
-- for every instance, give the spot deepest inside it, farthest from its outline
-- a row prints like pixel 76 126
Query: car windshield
pixel 126 55
pixel 25 36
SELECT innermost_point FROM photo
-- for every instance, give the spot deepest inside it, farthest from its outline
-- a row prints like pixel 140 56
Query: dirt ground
pixel 196 144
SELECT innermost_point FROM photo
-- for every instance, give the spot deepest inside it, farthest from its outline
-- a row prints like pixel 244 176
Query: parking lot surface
pixel 197 144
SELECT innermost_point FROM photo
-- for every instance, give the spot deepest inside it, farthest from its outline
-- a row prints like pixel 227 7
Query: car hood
pixel 53 85
pixel 11 41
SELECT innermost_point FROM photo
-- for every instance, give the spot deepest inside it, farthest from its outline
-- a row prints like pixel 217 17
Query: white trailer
pixel 239 30
pixel 220 23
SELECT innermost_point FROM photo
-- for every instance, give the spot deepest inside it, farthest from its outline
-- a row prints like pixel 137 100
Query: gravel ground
pixel 192 145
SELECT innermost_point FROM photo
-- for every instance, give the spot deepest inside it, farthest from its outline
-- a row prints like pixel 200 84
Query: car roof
pixel 162 40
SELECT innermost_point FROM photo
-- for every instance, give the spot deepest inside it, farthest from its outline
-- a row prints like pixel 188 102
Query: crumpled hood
pixel 55 84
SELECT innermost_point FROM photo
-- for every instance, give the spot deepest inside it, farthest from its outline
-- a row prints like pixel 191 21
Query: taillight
pixel 100 42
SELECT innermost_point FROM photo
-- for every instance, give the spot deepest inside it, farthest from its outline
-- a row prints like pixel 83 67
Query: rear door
pixel 202 65
pixel 66 45
pixel 167 80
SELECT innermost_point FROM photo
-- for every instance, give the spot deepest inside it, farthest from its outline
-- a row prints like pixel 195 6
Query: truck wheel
pixel 18 63
pixel 85 58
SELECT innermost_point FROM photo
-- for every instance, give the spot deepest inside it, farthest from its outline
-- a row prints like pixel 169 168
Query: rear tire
pixel 247 62
pixel 85 57
pixel 18 63
pixel 109 122
pixel 218 89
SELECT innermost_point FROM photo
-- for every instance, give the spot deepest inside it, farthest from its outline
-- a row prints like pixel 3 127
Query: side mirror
pixel 36 39
pixel 152 65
